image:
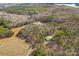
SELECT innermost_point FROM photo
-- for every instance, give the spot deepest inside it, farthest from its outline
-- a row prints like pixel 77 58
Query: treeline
pixel 25 10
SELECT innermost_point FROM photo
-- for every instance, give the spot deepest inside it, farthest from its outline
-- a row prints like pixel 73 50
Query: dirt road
pixel 13 45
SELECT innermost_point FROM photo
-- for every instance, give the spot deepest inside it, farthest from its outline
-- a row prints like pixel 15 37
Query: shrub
pixel 60 33
pixel 4 28
pixel 4 32
pixel 68 33
pixel 53 23
pixel 5 22
pixel 39 52
pixel 51 17
pixel 74 17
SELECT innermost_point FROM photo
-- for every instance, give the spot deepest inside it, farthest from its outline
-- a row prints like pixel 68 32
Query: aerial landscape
pixel 39 29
